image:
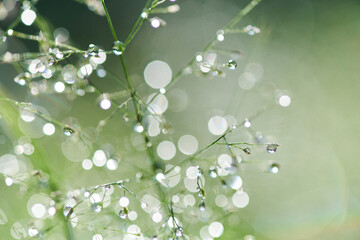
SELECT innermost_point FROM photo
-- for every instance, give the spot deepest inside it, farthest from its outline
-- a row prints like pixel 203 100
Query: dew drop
pixel 68 131
pixel 202 206
pixel 247 150
pixel 93 50
pixel 274 168
pixel 231 64
pixel 138 128
pixel 271 148
pixel 220 35
pixel 212 172
pixel 155 237
pixel 126 117
pixel 123 213
pixel 118 48
pixel 179 231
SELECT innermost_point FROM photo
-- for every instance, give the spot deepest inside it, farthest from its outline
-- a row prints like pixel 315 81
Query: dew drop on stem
pixel 247 150
pixel 231 64
pixel 271 148
pixel 118 48
pixel 202 206
pixel 179 231
pixel 68 131
pixel 123 213
pixel 274 168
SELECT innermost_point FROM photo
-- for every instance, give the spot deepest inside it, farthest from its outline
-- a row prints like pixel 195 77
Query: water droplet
pixel 271 148
pixel 97 207
pixel 179 231
pixel 22 78
pixel 202 206
pixel 274 168
pixel 126 117
pixel 144 15
pixel 123 213
pixel 212 172
pixel 118 48
pixel 220 35
pixel 93 50
pixel 138 128
pixel 68 131
pixel 247 123
pixel 247 150
pixel 86 54
pixel 231 64
pixel 105 101
pixel 155 237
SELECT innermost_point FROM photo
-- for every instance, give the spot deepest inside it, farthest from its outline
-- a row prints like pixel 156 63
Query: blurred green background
pixel 309 48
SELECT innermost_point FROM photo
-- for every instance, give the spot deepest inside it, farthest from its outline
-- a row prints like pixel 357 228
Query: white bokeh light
pixel 216 229
pixel 28 17
pixel 166 150
pixel 217 125
pixel 188 144
pixel 38 210
pixel 240 199
pixel 284 101
pixel 59 87
pixel 87 164
pixel 49 129
pixel 157 74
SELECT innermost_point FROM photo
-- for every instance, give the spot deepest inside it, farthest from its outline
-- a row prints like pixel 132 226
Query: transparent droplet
pixel 231 64
pixel 179 231
pixel 22 78
pixel 68 131
pixel 202 206
pixel 212 172
pixel 220 35
pixel 271 148
pixel 247 150
pixel 247 123
pixel 97 207
pixel 144 15
pixel 105 101
pixel 138 128
pixel 155 237
pixel 274 168
pixel 123 213
pixel 126 117
pixel 93 50
pixel 118 48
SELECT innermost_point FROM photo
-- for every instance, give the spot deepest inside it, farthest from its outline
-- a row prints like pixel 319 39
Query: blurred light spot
pixel 284 101
pixel 38 210
pixel 166 150
pixel 221 200
pixel 240 199
pixel 247 81
pixel 188 144
pixel 59 87
pixel 49 129
pixel 87 164
pixel 192 172
pixel 217 125
pixel 28 17
pixel 158 105
pixel 216 229
pixel 157 217
pixel 99 158
pixel 124 202
pixel 157 74
pixel 111 164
